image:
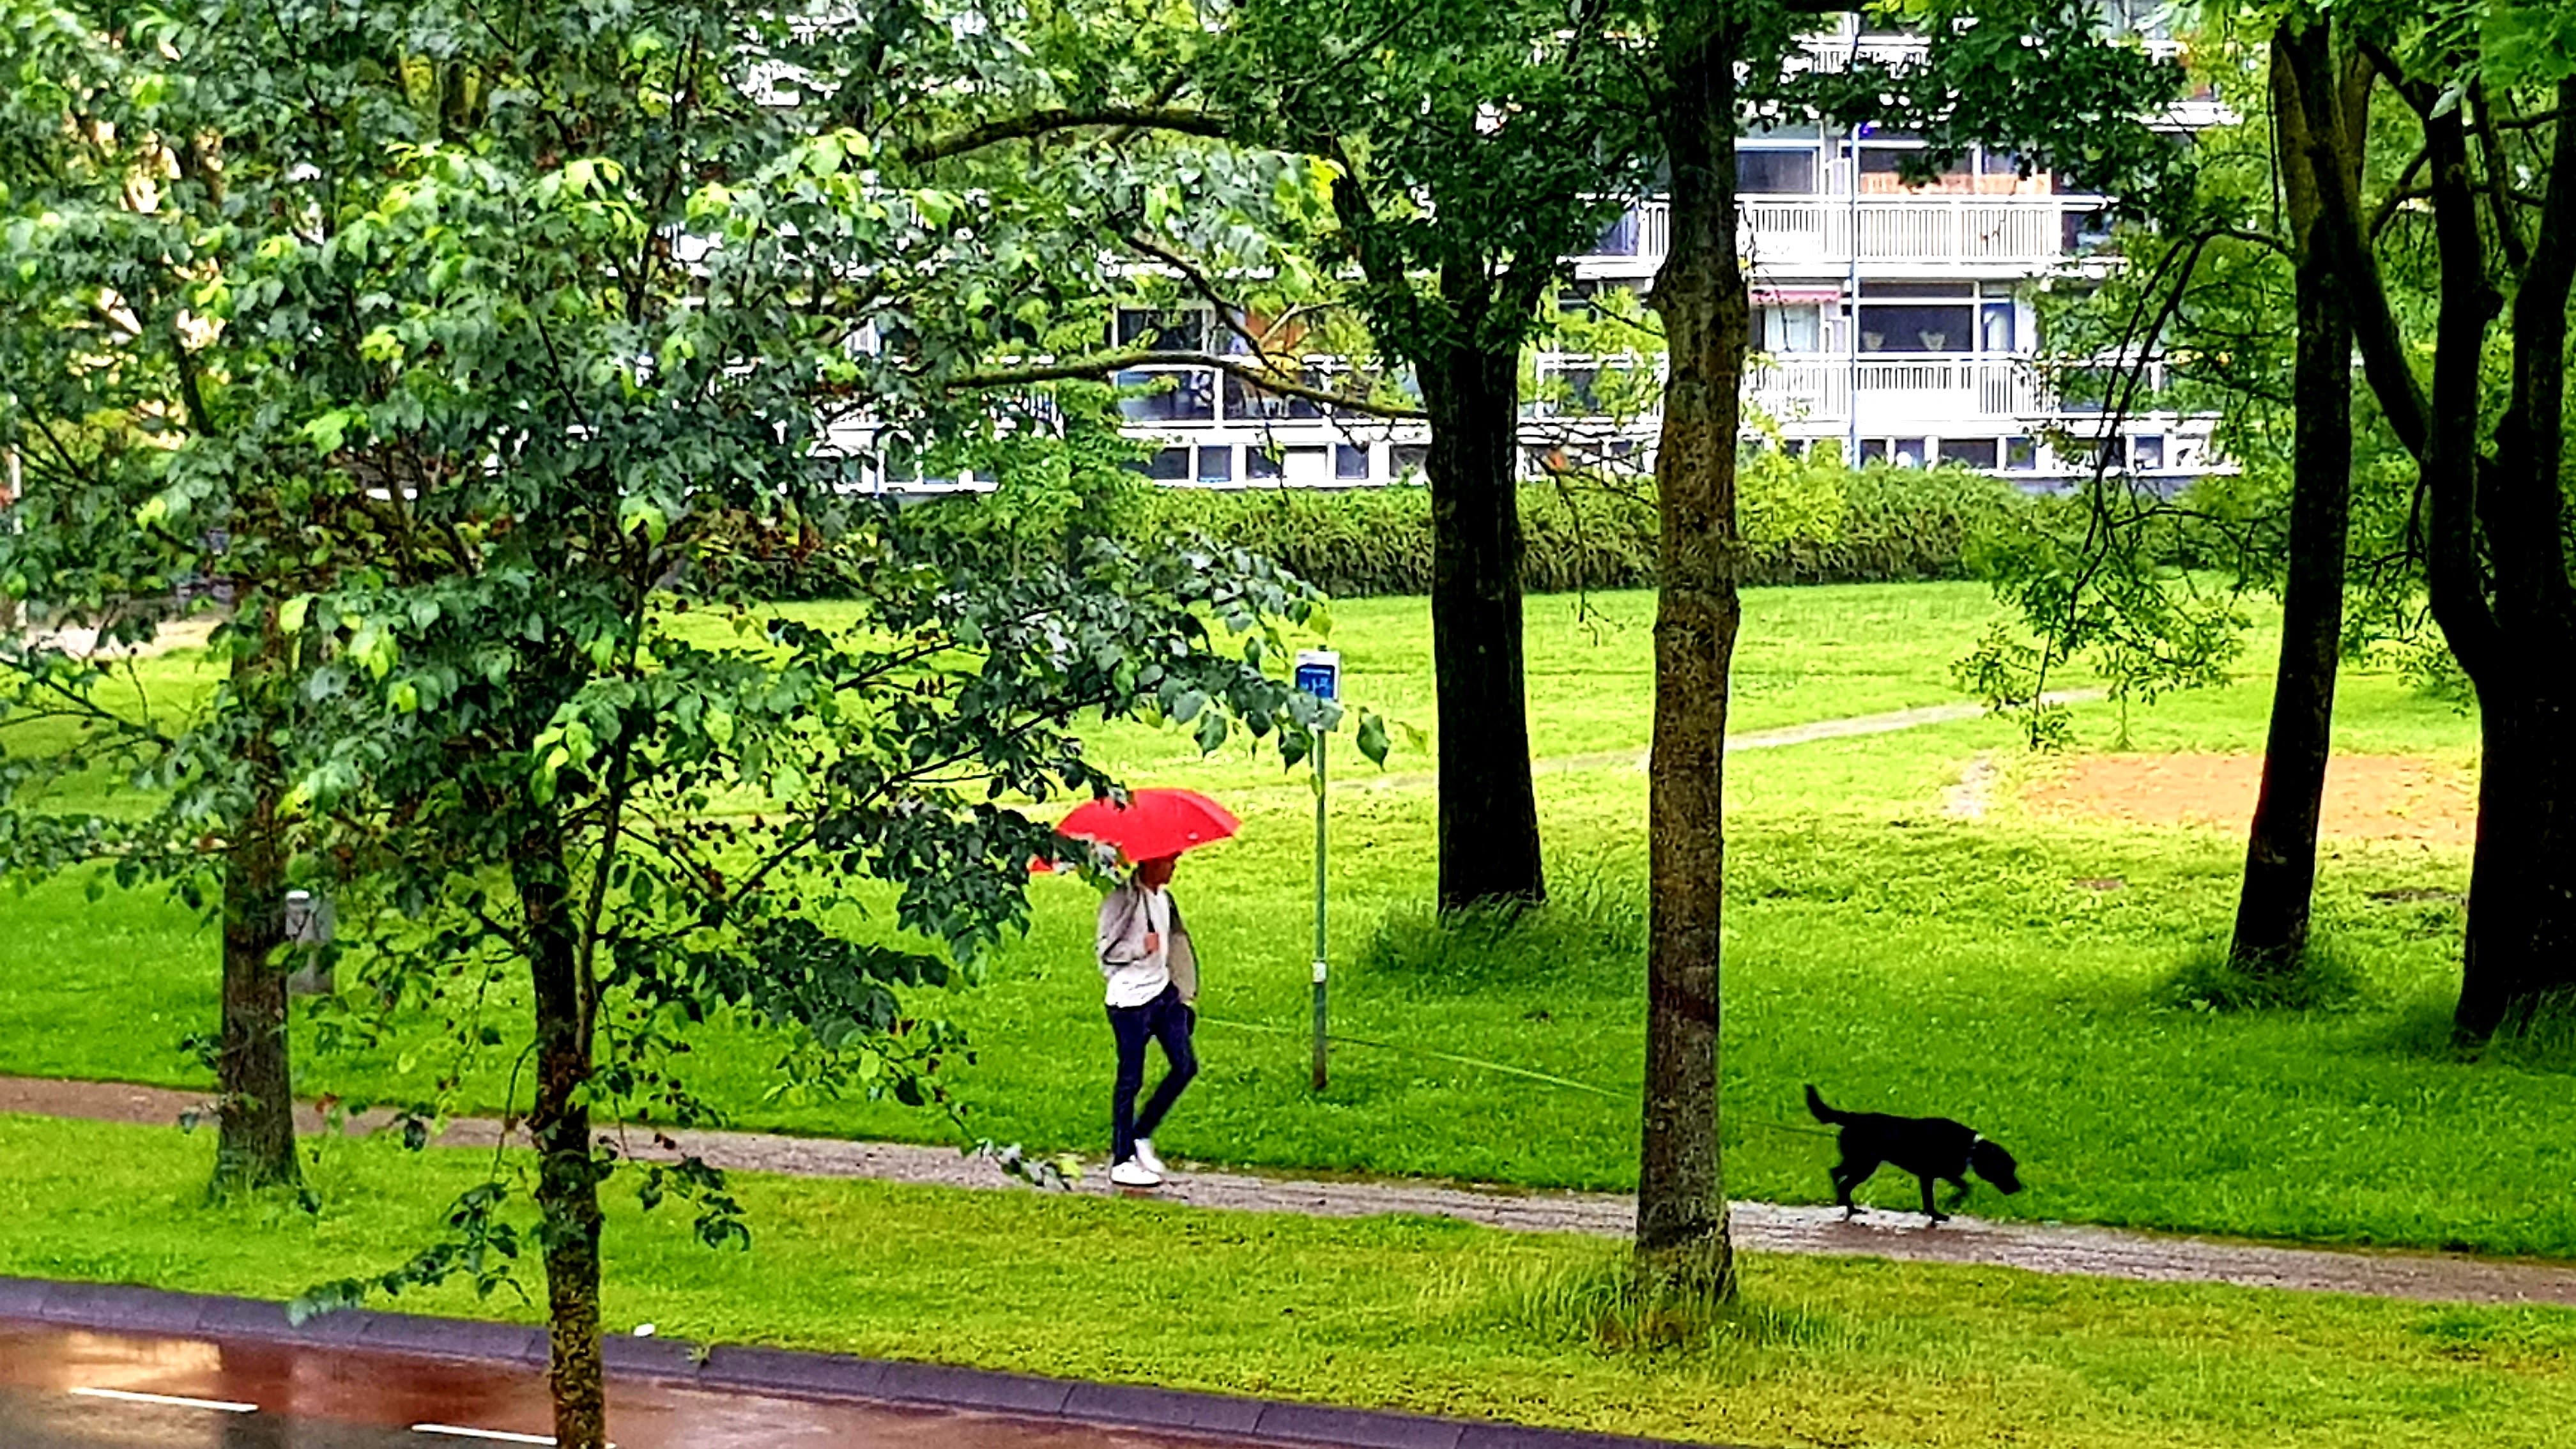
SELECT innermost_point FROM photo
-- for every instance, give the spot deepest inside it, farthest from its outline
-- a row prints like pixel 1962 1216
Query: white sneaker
pixel 1132 1173
pixel 1145 1156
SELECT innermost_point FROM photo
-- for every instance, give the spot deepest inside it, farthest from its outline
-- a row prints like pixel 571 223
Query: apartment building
pixel 1892 321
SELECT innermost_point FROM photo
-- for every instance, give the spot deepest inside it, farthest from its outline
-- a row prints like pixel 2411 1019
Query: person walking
pixel 1151 973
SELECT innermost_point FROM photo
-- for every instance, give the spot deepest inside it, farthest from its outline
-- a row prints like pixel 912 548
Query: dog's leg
pixel 1929 1211
pixel 1847 1176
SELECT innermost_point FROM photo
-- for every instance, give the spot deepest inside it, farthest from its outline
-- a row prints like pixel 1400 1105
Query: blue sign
pixel 1319 673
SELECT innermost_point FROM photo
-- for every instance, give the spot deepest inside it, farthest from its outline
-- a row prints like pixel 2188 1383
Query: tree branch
pixel 1044 123
pixel 1094 368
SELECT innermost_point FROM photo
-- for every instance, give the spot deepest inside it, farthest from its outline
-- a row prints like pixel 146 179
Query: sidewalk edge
pixel 124 1308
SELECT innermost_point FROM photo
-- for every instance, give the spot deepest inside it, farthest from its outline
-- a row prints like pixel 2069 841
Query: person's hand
pixel 1153 942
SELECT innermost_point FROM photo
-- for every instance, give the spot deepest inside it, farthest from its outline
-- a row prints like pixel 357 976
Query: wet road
pixel 67 1389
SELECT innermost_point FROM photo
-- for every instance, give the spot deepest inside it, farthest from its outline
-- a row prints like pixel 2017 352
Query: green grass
pixel 1899 959
pixel 1402 1313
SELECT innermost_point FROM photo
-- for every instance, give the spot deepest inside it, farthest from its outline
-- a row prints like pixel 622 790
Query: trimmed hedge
pixel 1805 522
pixel 1878 524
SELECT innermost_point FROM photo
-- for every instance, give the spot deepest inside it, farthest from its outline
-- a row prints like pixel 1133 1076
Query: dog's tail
pixel 1822 1113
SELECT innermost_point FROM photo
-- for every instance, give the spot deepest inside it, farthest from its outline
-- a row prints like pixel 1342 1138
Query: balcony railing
pixel 1920 229
pixel 1913 385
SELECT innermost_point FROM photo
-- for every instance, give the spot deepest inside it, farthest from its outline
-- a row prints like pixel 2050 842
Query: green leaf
pixel 1372 738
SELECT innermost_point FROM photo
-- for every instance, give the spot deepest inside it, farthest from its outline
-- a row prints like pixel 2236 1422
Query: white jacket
pixel 1134 975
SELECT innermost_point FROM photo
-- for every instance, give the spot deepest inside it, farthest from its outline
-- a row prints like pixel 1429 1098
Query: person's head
pixel 1156 873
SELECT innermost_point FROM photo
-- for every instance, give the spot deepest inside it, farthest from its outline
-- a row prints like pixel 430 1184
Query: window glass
pixel 1619 239
pixel 1912 452
pixel 1772 173
pixel 1350 461
pixel 1795 327
pixel 1873 450
pixel 2147 452
pixel 1216 465
pixel 1180 329
pixel 1995 327
pixel 1251 401
pixel 2021 454
pixel 1886 328
pixel 1973 452
pixel 1407 459
pixel 1168 397
pixel 1880 167
pixel 1260 463
pixel 1170 465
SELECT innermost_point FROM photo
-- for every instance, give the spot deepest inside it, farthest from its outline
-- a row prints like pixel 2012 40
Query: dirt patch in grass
pixel 2368 797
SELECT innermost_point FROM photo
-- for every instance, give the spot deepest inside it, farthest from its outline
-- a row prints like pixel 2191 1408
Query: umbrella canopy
pixel 1152 824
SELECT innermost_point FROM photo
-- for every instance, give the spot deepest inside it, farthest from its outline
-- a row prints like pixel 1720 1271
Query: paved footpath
pixel 1760 1227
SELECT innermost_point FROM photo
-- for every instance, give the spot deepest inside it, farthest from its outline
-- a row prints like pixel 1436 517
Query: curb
pixel 120 1308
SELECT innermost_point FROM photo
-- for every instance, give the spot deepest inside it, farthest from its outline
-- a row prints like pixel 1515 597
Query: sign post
pixel 1319 673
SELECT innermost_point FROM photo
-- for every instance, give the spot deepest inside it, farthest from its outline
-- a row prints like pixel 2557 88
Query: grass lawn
pixel 2007 970
pixel 1413 1314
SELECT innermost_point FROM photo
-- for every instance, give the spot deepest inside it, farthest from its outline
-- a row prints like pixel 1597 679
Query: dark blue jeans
pixel 1166 1019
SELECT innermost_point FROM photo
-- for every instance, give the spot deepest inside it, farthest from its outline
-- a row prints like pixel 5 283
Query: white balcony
pixel 1912 387
pixel 1935 231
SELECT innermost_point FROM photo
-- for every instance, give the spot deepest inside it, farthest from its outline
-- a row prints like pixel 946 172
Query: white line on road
pixel 497 1435
pixel 128 1396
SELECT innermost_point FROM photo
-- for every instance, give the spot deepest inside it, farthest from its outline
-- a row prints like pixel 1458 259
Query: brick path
pixel 1760 1227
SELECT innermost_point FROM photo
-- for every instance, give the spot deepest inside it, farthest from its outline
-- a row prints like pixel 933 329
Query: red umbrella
pixel 1152 824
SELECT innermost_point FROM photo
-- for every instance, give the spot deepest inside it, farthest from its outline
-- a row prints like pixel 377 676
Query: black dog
pixel 1928 1147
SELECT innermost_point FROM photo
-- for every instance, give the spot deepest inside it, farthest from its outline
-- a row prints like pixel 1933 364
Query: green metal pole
pixel 1319 910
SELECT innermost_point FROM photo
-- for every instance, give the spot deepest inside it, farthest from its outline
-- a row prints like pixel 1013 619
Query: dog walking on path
pixel 1929 1147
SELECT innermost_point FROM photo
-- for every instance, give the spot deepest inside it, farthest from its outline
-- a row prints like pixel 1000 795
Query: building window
pixel 1873 450
pixel 1216 465
pixel 1776 173
pixel 1881 172
pixel 1351 462
pixel 1176 329
pixel 1261 465
pixel 1915 328
pixel 1787 329
pixel 1971 452
pixel 2021 455
pixel 1913 452
pixel 1995 327
pixel 1170 465
pixel 1251 402
pixel 1407 460
pixel 1620 238
pixel 2147 452
pixel 1167 397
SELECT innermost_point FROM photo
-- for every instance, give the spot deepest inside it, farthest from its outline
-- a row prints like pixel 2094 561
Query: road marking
pixel 497 1435
pixel 128 1396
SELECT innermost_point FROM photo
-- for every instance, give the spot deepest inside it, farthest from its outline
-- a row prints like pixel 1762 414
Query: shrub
pixel 1806 521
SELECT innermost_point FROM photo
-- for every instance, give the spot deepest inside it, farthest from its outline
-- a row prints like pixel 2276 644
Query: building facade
pixel 1892 321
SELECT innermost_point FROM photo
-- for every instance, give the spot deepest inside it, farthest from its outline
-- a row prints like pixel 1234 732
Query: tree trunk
pixel 2494 525
pixel 2281 849
pixel 254 1085
pixel 1489 851
pixel 567 1175
pixel 2521 952
pixel 1683 1241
